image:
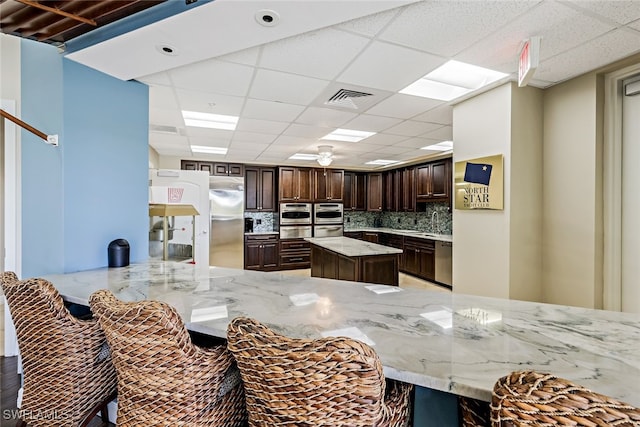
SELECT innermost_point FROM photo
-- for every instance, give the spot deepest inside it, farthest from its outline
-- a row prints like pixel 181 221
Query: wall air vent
pixel 347 98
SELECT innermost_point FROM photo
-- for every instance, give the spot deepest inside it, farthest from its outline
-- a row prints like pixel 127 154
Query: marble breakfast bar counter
pixel 454 343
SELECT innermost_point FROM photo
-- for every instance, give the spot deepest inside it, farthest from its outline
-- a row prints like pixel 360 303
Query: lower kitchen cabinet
pixel 369 236
pixel 353 234
pixel 295 254
pixel 419 258
pixel 382 269
pixel 261 252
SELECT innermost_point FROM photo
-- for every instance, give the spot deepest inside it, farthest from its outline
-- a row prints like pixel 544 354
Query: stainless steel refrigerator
pixel 226 242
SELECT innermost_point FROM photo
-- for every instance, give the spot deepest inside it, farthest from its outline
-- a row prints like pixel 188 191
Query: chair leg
pixel 21 423
pixel 104 413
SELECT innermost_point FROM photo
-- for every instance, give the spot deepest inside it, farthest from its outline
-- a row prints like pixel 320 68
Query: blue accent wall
pixel 93 188
pixel 42 164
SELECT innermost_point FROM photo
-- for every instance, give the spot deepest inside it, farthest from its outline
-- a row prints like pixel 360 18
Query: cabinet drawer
pixel 421 243
pixel 261 238
pixel 286 259
pixel 295 245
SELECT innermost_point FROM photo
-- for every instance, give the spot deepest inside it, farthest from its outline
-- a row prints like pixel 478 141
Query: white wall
pixel 572 194
pixel 481 237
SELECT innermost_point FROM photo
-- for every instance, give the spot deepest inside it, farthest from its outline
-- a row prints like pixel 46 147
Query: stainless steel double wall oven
pixel 307 220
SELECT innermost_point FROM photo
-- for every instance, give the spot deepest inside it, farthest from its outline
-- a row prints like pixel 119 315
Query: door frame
pixel 612 186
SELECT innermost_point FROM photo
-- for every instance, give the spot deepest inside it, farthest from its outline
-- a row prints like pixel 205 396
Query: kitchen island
pixel 458 344
pixel 354 260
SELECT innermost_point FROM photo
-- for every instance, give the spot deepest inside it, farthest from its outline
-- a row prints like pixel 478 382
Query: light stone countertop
pixel 450 342
pixel 407 233
pixel 352 247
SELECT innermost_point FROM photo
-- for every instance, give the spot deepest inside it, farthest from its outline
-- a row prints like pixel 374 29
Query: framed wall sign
pixel 479 183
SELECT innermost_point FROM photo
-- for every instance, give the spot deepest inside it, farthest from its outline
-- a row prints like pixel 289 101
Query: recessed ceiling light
pixel 382 162
pixel 207 120
pixel 441 146
pixel 208 150
pixel 166 49
pixel 452 80
pixel 302 156
pixel 267 17
pixel 348 135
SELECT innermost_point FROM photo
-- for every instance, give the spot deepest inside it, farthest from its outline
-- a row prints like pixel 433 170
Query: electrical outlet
pixel 398 220
pixel 348 219
pixel 415 221
pixel 258 221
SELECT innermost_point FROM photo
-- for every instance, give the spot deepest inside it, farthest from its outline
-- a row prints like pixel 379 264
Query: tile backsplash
pixel 263 222
pixel 436 219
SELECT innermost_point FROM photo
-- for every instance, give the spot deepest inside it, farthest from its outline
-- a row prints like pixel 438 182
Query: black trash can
pixel 119 253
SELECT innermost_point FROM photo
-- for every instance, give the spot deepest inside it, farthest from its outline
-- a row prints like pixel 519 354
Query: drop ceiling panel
pixel 448 27
pixel 268 110
pixel 591 55
pixel 392 149
pixel 371 123
pixel 325 117
pixel 256 137
pixel 219 134
pixel 162 97
pixel 288 141
pixel 322 54
pixel 214 76
pixel 208 142
pixel 262 126
pixel 442 114
pixel 161 79
pixel 560 26
pixel 621 11
pixel 306 131
pixel 283 87
pixel 245 56
pixel 415 143
pixel 248 147
pixel 206 102
pixel 168 117
pixel 403 106
pixel 389 67
pixel 371 25
pixel 382 139
pixel 444 133
pixel 412 128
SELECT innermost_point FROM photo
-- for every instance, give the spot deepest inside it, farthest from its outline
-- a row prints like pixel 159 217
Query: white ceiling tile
pixel 322 54
pixel 389 67
pixel 256 137
pixel 447 27
pixel 283 87
pixel 162 116
pixel 249 147
pixel 223 135
pixel 326 117
pixel 442 115
pixel 268 110
pixel 214 76
pixel 162 97
pixel 305 131
pixel 205 102
pixel 596 53
pixel 619 11
pixel 412 128
pixel 445 133
pixel 369 123
pixel 635 25
pixel 245 56
pixel 560 27
pixel 382 139
pixel 172 151
pixel 208 142
pixel 286 140
pixel 371 25
pixel 166 139
pixel 157 79
pixel 415 143
pixel 403 106
pixel 262 126
pixel 392 149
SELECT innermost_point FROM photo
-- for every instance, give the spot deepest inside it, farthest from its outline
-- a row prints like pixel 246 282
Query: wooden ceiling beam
pixel 58 12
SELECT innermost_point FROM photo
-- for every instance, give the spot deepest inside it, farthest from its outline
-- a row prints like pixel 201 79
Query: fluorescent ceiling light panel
pixel 208 150
pixel 348 135
pixel 452 80
pixel 441 146
pixel 211 121
pixel 382 162
pixel 301 156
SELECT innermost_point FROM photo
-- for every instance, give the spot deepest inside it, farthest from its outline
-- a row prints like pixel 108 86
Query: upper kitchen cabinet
pixel 407 190
pixel 355 191
pixel 329 185
pixel 260 189
pixel 228 169
pixel 295 184
pixel 391 190
pixel 374 192
pixel 434 181
pixel 225 169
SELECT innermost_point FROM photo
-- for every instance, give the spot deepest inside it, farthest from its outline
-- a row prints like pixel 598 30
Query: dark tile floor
pixel 9 385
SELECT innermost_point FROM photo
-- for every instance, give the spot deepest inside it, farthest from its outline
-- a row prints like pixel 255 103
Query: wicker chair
pixel 527 398
pixel 68 374
pixel 325 382
pixel 163 378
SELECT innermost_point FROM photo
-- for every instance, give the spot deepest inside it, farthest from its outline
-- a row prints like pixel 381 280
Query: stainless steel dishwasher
pixel 444 263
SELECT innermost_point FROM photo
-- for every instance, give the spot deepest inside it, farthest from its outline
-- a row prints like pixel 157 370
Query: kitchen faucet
pixel 434 217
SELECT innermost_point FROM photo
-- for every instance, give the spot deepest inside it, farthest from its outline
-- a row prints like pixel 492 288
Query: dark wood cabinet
pixel 407 190
pixel 260 189
pixel 353 234
pixel 226 169
pixel 391 190
pixel 261 252
pixel 295 254
pixel 433 181
pixel 295 184
pixel 374 192
pixel 355 191
pixel 370 236
pixel 329 185
pixel 419 258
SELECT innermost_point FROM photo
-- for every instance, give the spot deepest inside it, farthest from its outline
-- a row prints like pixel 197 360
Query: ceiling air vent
pixel 347 98
pixel 172 130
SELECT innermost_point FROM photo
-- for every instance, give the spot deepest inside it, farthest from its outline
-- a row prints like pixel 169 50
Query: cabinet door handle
pixel 295 259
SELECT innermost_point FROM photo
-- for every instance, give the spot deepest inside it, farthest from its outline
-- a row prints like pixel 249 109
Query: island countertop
pixel 352 247
pixel 451 342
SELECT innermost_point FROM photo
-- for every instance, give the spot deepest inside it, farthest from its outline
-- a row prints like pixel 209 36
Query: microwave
pixel 328 213
pixel 295 213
